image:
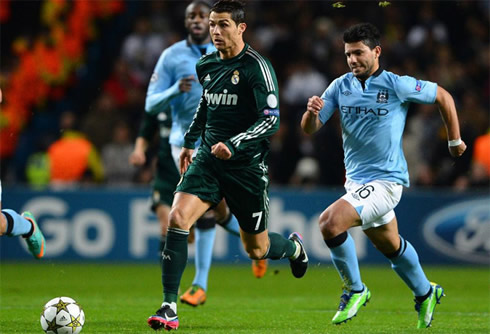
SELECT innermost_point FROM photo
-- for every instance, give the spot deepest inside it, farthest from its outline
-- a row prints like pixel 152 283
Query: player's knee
pixel 176 218
pixel 330 224
pixel 221 214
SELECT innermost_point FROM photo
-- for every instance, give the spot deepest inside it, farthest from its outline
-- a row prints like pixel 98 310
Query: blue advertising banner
pixel 117 225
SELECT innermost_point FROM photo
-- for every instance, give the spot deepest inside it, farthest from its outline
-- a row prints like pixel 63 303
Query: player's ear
pixel 377 51
pixel 242 27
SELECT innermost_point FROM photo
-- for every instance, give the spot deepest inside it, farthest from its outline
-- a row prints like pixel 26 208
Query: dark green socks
pixel 280 247
pixel 174 262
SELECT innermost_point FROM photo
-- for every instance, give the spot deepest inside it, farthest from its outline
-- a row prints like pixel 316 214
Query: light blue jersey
pixel 176 62
pixel 373 120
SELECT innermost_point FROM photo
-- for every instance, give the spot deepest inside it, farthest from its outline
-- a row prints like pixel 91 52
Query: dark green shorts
pixel 164 184
pixel 244 188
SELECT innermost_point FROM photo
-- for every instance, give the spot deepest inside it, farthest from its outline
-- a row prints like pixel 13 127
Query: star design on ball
pixel 61 305
pixel 52 326
pixel 75 322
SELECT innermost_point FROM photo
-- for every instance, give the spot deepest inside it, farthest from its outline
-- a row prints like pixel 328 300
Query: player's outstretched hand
pixel 221 151
pixel 185 159
pixel 457 151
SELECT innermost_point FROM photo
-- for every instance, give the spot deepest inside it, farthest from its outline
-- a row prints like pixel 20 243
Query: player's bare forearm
pixel 310 123
pixel 185 159
pixel 137 157
pixel 447 108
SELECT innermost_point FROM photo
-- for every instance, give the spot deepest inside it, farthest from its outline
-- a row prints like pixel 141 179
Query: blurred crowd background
pixel 74 76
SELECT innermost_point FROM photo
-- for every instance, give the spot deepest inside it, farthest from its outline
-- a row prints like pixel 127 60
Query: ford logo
pixel 461 231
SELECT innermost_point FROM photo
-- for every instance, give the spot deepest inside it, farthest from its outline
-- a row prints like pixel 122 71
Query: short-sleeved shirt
pixel 372 120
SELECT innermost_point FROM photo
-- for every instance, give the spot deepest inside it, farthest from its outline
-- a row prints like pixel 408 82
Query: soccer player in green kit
pixel 237 114
pixel 167 175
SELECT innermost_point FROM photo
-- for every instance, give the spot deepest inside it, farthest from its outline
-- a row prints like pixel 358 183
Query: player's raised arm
pixel 310 123
pixel 161 90
pixel 449 115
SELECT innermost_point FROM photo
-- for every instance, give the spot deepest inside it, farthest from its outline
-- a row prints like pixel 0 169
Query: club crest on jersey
pixel 382 96
pixel 235 78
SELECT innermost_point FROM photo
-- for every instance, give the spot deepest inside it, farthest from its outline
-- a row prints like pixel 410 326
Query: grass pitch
pixel 118 299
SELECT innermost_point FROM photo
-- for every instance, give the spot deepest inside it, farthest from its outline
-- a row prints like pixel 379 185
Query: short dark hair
pixel 363 32
pixel 234 7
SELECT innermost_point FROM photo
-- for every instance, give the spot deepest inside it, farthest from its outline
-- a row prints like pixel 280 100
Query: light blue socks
pixel 204 254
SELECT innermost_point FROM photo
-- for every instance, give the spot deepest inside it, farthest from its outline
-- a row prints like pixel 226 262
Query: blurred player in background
pixel 173 86
pixel 13 224
pixel 373 106
pixel 167 175
pixel 237 114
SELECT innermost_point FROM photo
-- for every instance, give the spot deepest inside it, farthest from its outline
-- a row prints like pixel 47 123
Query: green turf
pixel 119 298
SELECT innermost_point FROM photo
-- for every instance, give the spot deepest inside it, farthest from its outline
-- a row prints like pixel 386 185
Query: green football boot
pixel 350 303
pixel 36 241
pixel 426 308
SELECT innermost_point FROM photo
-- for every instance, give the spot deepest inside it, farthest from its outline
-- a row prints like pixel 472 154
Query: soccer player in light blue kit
pixel 13 224
pixel 373 106
pixel 174 85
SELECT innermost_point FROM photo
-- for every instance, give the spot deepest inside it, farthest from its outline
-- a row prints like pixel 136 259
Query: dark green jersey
pixel 239 105
pixel 167 175
pixel 161 122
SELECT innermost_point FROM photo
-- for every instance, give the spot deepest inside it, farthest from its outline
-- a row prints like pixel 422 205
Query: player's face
pixel 362 60
pixel 225 33
pixel 196 22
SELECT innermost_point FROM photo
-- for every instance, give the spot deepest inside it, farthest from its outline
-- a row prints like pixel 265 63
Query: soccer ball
pixel 62 315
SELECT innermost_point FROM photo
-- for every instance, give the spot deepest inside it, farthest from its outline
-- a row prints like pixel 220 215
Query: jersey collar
pixel 378 72
pixel 196 48
pixel 237 57
pixel 366 83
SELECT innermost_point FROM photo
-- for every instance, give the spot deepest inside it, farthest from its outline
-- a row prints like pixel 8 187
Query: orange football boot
pixel 259 267
pixel 194 296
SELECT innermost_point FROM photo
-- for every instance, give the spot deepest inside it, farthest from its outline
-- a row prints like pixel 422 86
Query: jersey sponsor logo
pixel 347 93
pixel 418 86
pixel 461 231
pixel 353 110
pixel 271 112
pixel 207 78
pixel 382 96
pixel 235 79
pixel 224 98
